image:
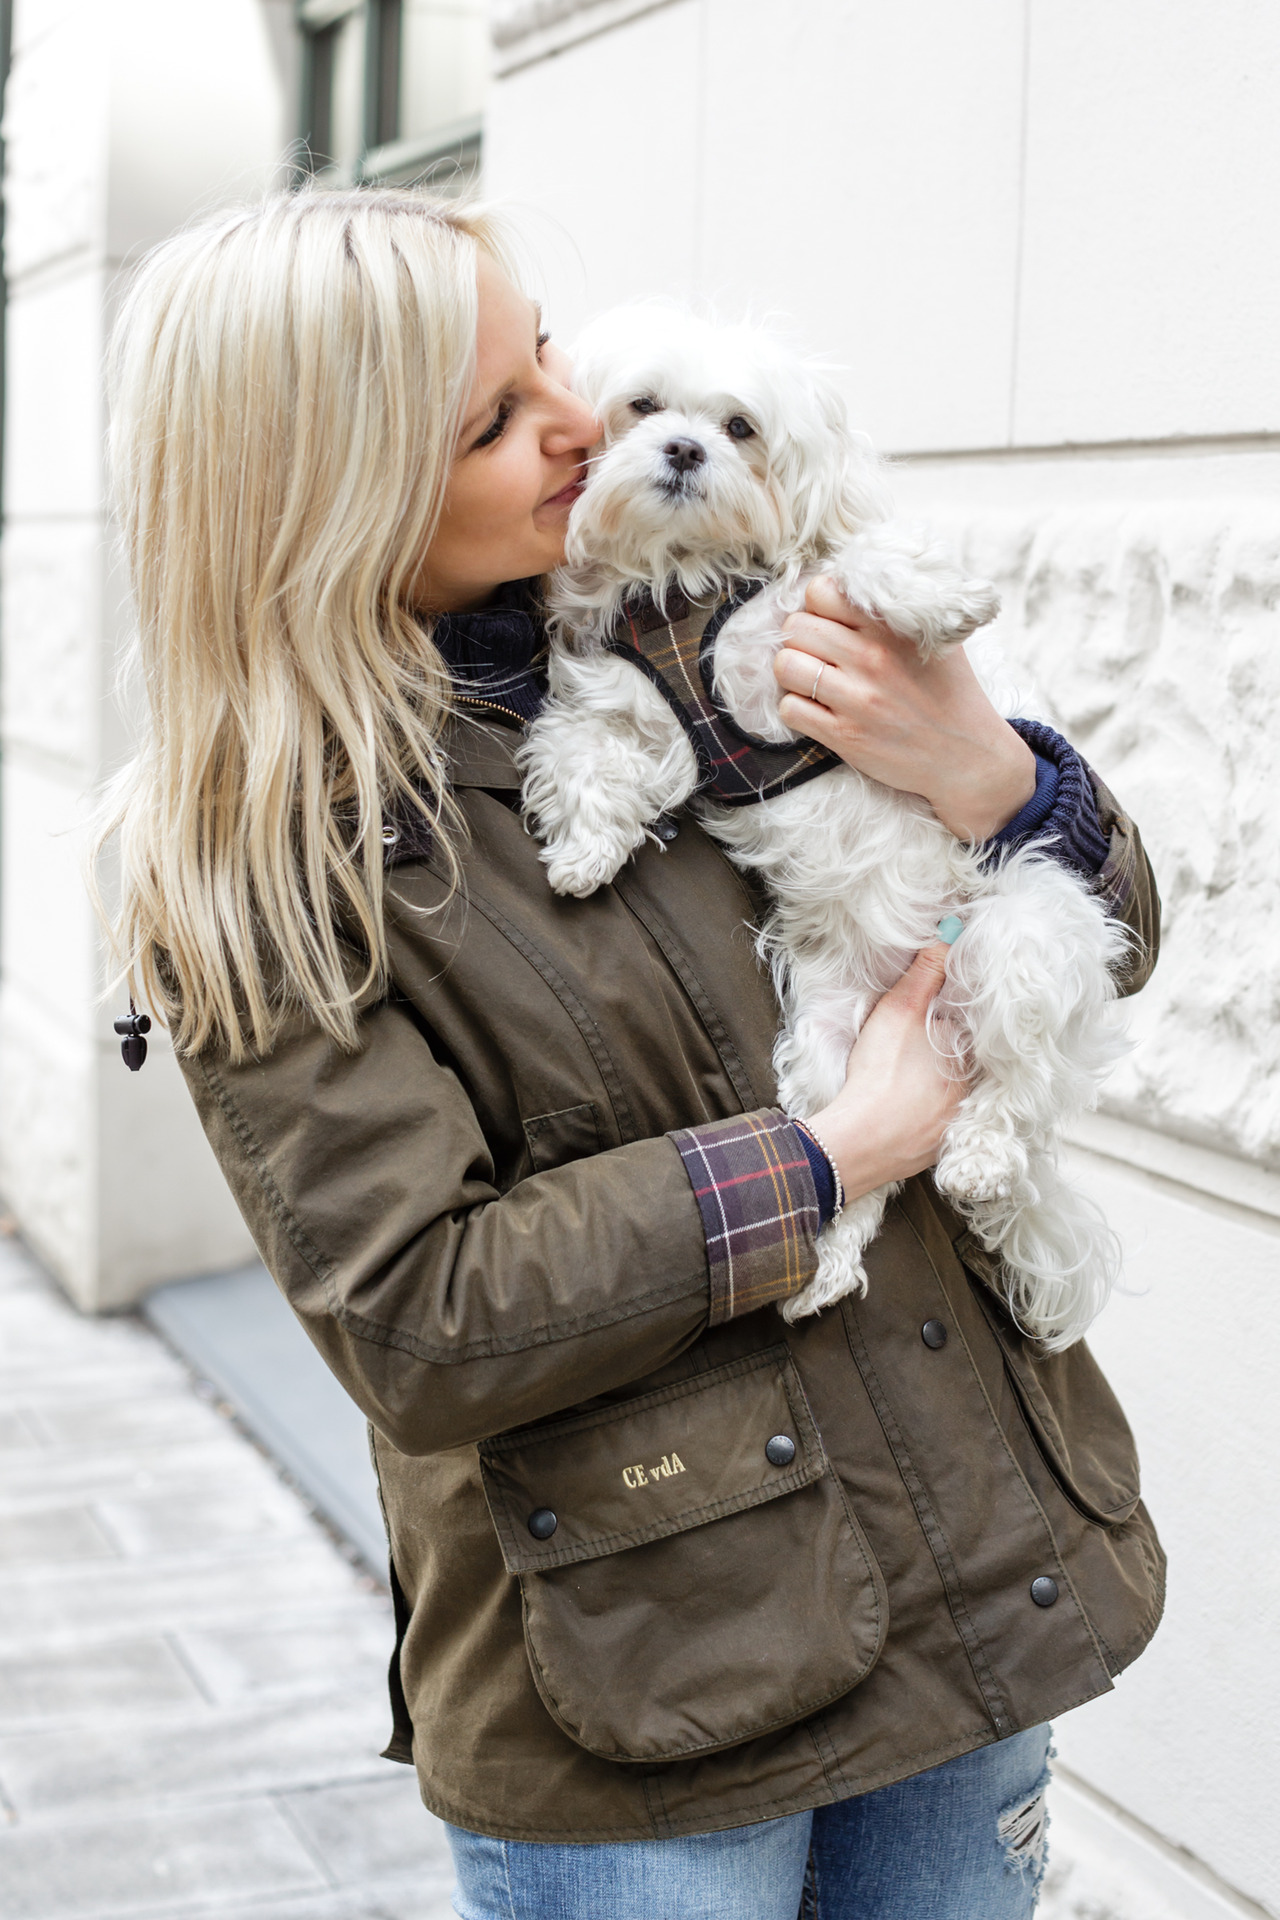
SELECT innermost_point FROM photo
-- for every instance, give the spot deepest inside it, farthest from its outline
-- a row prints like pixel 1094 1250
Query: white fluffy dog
pixel 725 459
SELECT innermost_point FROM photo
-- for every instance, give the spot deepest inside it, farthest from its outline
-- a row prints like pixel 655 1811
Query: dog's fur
pixel 859 874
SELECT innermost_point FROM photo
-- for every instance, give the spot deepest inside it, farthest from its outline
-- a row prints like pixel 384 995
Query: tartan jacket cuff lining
pixel 755 1192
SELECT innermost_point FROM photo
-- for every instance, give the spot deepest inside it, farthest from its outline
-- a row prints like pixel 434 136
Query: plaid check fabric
pixel 755 1192
pixel 674 645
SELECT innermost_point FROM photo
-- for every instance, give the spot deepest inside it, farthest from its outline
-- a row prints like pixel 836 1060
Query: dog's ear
pixel 831 478
pixel 620 349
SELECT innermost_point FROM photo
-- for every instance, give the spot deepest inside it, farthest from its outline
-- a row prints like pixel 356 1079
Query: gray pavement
pixel 192 1674
pixel 239 1332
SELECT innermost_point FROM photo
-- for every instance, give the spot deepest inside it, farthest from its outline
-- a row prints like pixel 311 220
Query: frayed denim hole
pixel 1023 1831
pixel 809 1892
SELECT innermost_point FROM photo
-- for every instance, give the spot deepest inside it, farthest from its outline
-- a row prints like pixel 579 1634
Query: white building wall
pixel 121 122
pixel 1039 236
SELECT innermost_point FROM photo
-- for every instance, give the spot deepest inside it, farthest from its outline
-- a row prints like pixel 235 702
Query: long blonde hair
pixel 286 386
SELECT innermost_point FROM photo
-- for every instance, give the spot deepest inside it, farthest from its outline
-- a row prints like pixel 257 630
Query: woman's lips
pixel 567 494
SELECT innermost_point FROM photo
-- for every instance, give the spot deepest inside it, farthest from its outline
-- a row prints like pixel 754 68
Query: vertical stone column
pixel 121 122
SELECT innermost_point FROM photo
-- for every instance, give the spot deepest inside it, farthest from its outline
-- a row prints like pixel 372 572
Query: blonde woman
pixel 698 1613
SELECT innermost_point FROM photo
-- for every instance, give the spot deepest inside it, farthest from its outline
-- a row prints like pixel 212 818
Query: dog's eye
pixel 739 429
pixel 645 404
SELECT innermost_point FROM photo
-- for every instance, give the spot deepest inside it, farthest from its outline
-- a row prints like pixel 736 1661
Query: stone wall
pixel 1151 634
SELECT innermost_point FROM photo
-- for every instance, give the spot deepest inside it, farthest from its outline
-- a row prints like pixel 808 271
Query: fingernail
pixel 950 927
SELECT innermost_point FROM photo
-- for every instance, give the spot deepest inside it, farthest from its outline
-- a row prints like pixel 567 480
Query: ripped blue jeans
pixel 964 1841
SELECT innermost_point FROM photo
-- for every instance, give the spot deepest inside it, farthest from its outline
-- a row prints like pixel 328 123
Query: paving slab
pixel 192 1669
pixel 238 1331
pixel 364 1832
pixel 53 1534
pixel 139 1865
pixel 155 1758
pixel 240 1663
pixel 395 1899
pixel 196 1589
pixel 15 1434
pixel 147 1467
pixel 124 1675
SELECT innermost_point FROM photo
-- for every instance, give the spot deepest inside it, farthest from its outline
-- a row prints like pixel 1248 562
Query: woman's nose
pixel 577 426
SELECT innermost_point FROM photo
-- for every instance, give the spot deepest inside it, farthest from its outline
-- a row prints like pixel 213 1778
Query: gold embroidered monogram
pixel 639 1476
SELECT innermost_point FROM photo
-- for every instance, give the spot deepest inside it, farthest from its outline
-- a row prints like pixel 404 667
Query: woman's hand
pixel 898 1099
pixel 924 728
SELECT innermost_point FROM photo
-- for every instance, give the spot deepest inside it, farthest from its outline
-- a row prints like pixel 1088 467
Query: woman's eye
pixel 495 431
pixel 543 338
pixel 739 429
pixel 645 404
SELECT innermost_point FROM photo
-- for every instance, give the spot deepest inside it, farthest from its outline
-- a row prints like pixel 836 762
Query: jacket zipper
pixel 474 700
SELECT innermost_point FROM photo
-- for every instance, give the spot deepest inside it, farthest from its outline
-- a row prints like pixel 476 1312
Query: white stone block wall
pixel 1037 237
pixel 121 122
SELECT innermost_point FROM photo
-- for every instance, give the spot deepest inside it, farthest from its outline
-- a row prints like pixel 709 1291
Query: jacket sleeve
pixel 1082 824
pixel 1127 888
pixel 449 1311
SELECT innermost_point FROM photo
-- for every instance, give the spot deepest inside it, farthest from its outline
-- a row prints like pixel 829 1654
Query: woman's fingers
pixel 922 982
pixel 800 675
pixel 823 597
pixel 899 1097
pixel 921 726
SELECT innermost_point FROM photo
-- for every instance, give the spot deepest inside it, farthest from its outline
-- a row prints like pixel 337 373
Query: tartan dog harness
pixel 676 649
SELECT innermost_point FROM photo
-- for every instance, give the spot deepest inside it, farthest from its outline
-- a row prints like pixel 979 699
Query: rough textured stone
pixel 1149 637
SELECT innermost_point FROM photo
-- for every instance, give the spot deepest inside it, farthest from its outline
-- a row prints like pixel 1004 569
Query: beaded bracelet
pixel 823 1148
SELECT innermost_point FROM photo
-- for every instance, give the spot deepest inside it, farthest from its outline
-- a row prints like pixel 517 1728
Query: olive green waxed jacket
pixel 483 1227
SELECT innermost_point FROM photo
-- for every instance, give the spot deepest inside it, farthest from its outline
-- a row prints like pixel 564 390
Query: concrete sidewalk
pixel 192 1675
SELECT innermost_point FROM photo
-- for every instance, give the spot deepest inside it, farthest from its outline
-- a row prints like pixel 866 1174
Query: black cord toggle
pixel 131 1027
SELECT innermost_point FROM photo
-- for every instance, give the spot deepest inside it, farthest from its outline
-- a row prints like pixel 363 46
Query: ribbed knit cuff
pixel 1063 809
pixel 824 1177
pixel 755 1191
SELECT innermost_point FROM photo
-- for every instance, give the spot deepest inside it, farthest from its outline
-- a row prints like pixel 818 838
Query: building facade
pixel 1039 237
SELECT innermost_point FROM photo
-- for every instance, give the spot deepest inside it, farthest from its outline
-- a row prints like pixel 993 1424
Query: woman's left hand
pixel 924 728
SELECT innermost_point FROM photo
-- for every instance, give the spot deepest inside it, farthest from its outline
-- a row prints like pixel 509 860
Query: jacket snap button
pixel 1044 1591
pixel 780 1451
pixel 543 1523
pixel 934 1334
pixel 665 828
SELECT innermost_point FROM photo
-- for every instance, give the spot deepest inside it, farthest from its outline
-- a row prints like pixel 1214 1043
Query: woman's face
pixel 519 462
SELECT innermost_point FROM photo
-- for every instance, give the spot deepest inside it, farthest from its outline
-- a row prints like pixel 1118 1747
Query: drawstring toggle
pixel 131 1027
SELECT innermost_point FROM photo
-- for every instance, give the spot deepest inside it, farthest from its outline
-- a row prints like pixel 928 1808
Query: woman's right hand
pixel 898 1098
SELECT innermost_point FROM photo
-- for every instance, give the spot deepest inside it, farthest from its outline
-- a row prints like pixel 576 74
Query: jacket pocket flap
pixel 1075 1420
pixel 620 1476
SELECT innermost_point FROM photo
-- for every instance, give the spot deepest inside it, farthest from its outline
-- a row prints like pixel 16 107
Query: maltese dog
pixel 727 477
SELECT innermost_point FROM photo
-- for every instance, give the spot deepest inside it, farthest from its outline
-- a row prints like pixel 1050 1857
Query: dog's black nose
pixel 684 453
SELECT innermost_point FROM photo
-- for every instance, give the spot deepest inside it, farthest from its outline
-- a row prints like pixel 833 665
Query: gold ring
pixel 817 676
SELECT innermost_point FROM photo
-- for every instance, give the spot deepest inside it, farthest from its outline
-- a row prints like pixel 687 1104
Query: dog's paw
pixel 580 870
pixel 905 577
pixel 825 1289
pixel 974 1177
